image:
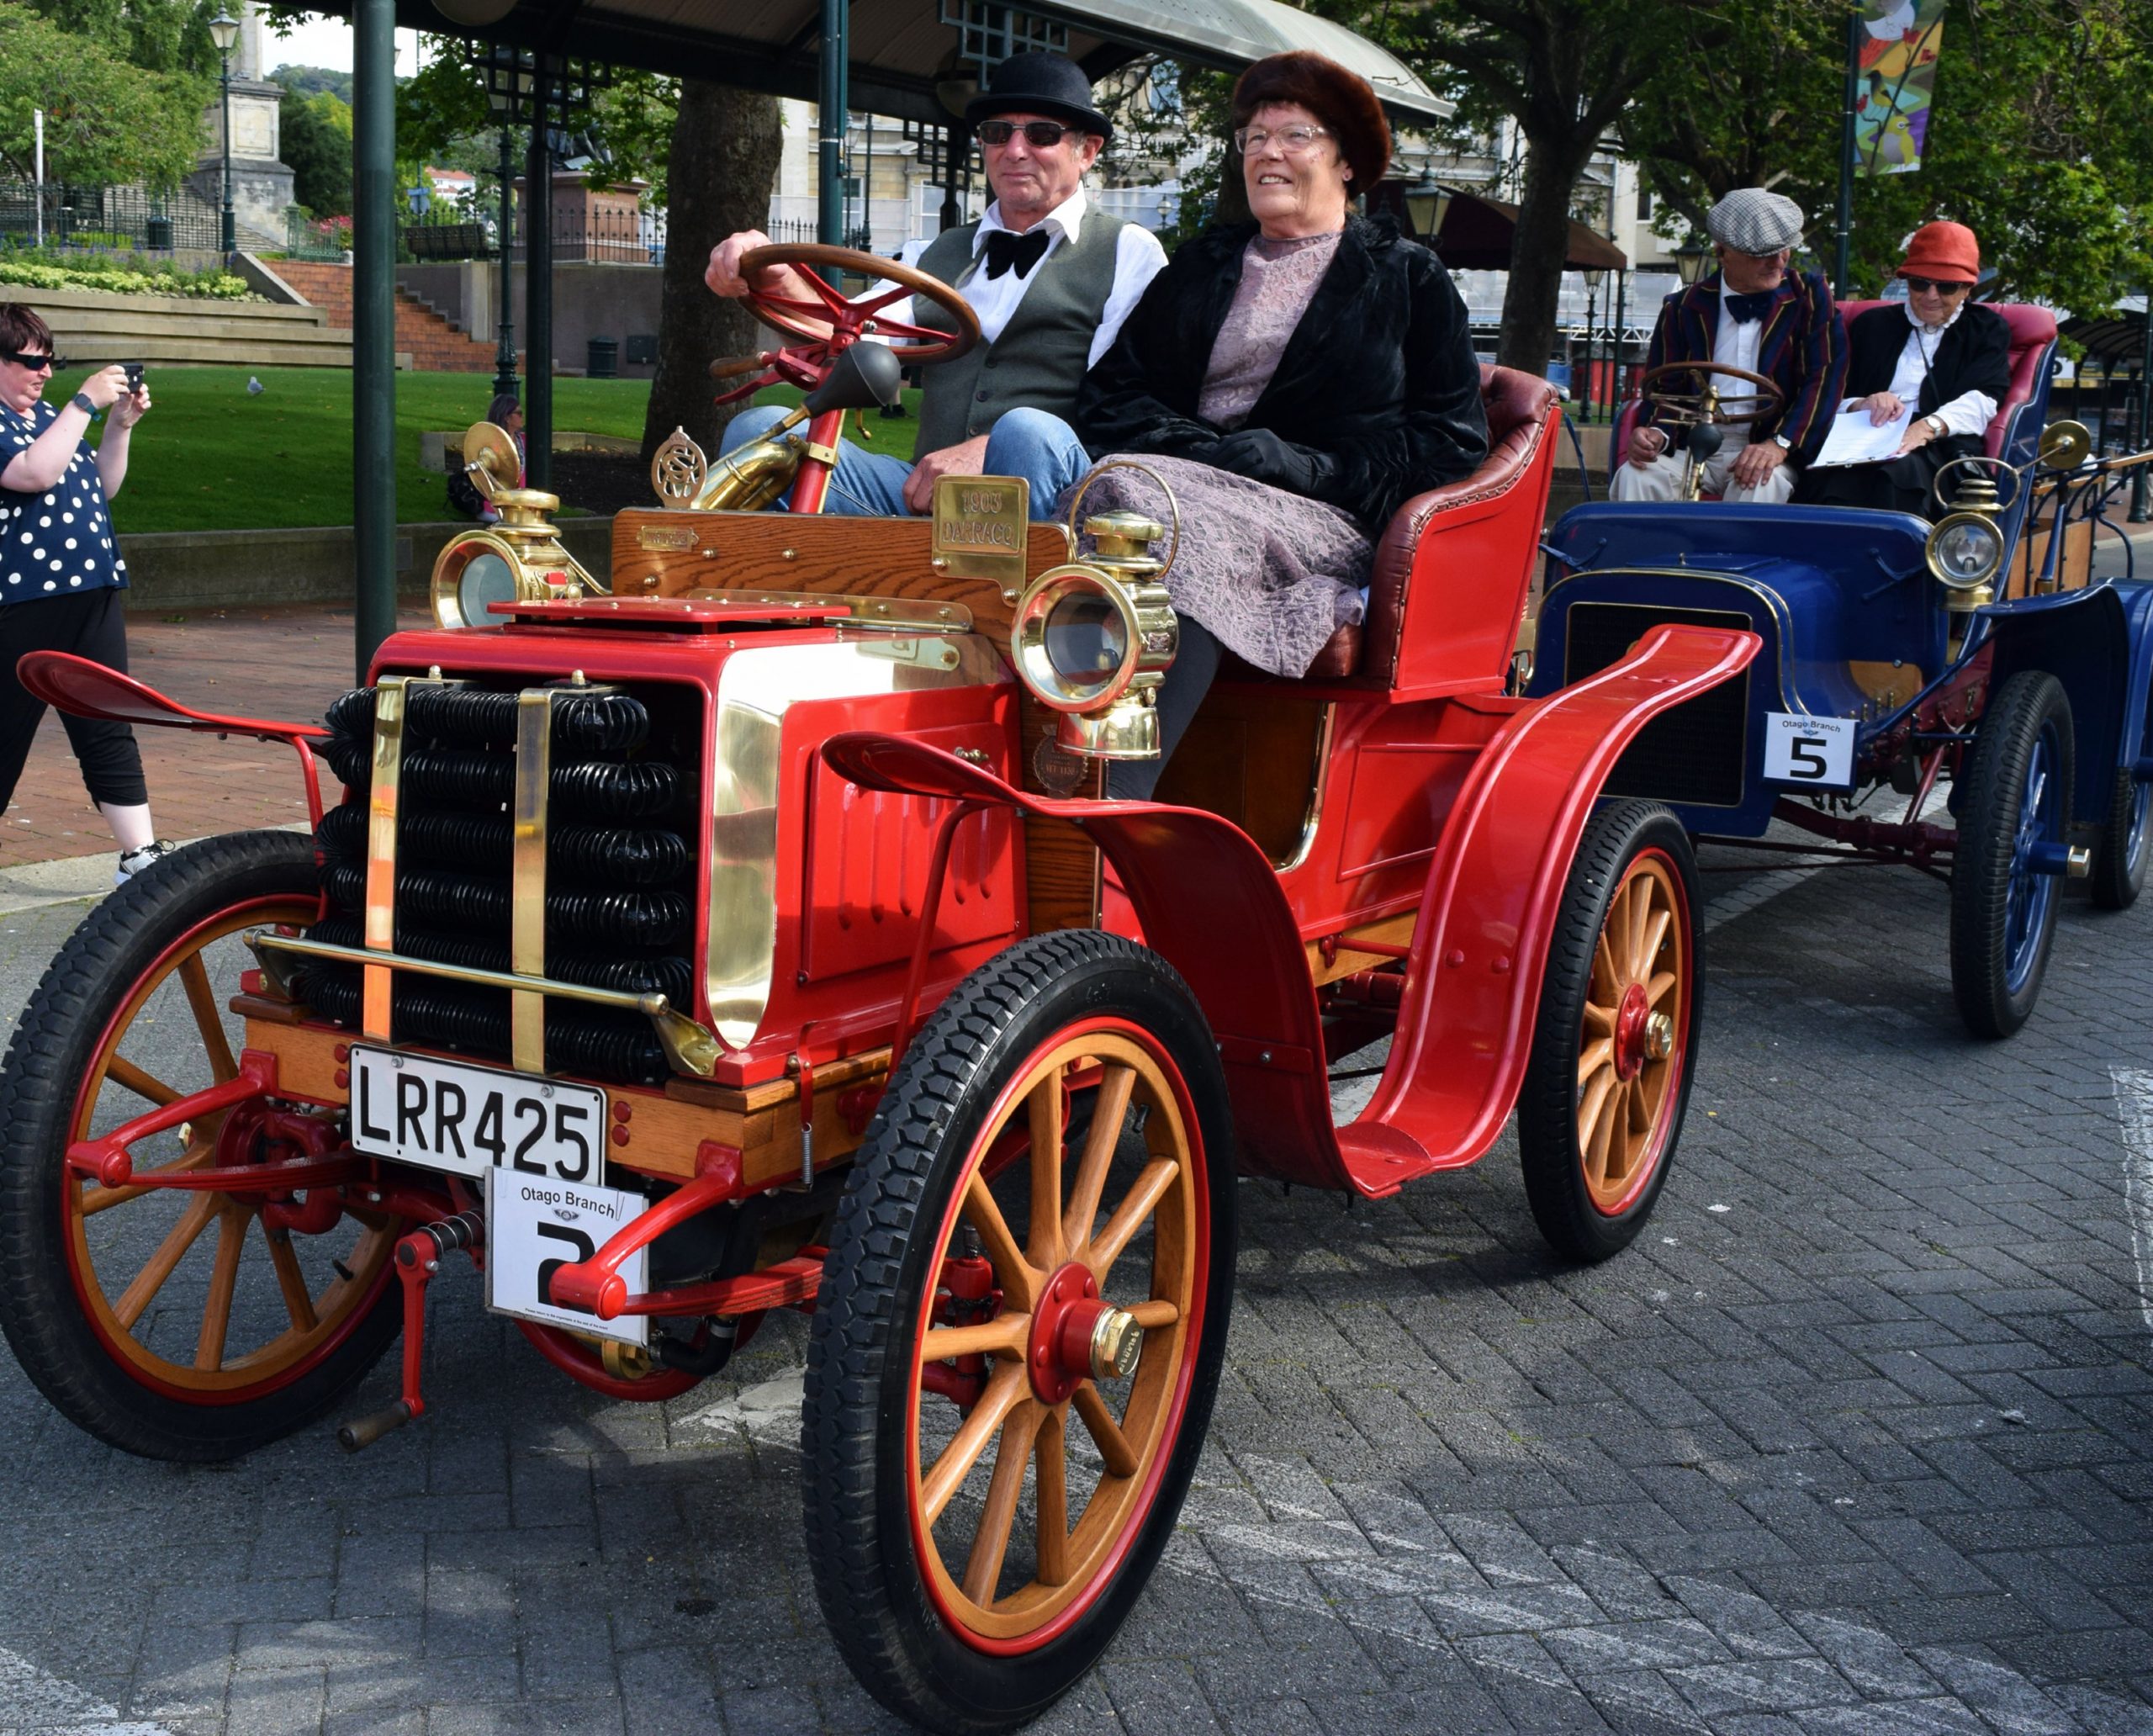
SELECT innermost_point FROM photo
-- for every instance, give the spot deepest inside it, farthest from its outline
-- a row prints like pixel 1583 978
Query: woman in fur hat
pixel 1293 379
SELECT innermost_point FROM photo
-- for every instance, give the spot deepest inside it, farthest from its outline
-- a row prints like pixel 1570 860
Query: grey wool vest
pixel 1040 359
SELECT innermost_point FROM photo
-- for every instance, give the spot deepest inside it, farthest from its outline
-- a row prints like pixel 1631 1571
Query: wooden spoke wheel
pixel 1699 399
pixel 829 321
pixel 179 1324
pixel 1613 1048
pixel 1018 1335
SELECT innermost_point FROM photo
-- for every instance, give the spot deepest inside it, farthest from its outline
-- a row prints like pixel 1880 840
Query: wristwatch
pixel 81 400
pixel 1782 442
pixel 1937 431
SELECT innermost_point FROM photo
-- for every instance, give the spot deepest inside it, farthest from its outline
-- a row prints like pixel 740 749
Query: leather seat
pixel 1519 408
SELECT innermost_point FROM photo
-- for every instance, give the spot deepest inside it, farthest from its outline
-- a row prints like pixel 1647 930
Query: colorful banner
pixel 1895 83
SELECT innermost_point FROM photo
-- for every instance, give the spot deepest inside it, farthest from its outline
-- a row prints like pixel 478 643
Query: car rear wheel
pixel 2121 851
pixel 1608 1081
pixel 2016 808
pixel 172 1323
pixel 1020 1332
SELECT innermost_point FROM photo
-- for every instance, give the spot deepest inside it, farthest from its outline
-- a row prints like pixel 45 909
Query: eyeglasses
pixel 36 364
pixel 1922 285
pixel 1040 134
pixel 1292 139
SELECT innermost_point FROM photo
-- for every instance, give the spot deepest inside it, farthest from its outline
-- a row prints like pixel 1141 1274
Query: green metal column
pixel 374 321
pixel 2141 485
pixel 831 102
pixel 1844 225
pixel 538 287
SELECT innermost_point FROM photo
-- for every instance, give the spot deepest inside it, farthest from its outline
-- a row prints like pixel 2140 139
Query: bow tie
pixel 1014 253
pixel 1748 308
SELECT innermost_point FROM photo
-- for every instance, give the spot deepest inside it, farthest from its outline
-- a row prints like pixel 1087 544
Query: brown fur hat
pixel 1340 98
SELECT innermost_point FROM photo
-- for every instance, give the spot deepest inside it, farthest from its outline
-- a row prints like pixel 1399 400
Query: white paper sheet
pixel 1854 440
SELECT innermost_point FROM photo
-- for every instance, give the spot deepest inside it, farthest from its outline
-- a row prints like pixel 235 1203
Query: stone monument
pixel 262 185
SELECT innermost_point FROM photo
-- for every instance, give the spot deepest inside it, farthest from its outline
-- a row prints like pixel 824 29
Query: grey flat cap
pixel 1752 220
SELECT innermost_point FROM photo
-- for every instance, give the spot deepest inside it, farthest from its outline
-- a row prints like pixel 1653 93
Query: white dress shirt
pixel 1734 344
pixel 1970 412
pixel 1138 258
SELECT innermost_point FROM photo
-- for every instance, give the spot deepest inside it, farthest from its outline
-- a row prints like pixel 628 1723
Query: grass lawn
pixel 210 458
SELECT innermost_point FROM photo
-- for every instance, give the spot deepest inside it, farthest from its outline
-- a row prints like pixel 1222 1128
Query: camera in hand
pixel 134 375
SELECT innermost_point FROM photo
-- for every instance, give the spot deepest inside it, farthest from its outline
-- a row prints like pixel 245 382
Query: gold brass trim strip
pixel 1312 822
pixel 527 938
pixel 690 1048
pixel 380 916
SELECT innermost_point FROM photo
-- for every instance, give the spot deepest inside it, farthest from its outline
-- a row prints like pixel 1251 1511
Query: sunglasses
pixel 1040 134
pixel 1920 285
pixel 36 364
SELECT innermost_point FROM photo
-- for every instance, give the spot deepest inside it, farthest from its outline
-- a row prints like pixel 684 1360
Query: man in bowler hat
pixel 1050 279
pixel 1756 315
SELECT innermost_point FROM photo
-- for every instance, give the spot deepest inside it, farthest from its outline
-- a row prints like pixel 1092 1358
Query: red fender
pixel 1480 946
pixel 1211 905
pixel 83 689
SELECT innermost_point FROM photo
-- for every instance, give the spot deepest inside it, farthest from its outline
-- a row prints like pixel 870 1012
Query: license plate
pixel 471 1120
pixel 535 1226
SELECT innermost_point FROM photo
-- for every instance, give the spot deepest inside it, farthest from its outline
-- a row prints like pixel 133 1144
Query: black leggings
pixel 90 624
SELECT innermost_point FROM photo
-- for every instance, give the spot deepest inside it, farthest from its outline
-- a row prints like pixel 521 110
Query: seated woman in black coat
pixel 1293 380
pixel 1938 353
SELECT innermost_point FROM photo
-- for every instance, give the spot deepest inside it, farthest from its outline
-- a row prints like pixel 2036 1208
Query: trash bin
pixel 157 234
pixel 605 358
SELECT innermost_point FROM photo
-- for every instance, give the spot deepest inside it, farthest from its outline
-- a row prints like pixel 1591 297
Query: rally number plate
pixel 470 1121
pixel 1818 751
pixel 535 1226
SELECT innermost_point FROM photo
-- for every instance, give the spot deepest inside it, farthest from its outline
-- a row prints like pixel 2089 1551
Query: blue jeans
pixel 1041 448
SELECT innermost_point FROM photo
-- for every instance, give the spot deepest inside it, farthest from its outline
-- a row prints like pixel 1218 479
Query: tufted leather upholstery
pixel 1520 407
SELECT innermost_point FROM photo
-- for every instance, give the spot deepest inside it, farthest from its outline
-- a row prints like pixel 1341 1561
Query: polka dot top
pixel 60 541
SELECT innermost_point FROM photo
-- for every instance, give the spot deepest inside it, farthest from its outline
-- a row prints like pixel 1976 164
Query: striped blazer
pixel 1803 348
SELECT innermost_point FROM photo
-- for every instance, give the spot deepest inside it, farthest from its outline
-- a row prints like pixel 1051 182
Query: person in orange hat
pixel 1939 360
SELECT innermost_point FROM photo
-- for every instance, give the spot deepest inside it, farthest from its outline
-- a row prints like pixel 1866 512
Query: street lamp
pixel 1690 259
pixel 507 82
pixel 224 31
pixel 1594 276
pixel 1428 203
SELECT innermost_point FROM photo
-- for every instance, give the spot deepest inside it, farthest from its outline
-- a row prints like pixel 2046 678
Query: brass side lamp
pixel 519 559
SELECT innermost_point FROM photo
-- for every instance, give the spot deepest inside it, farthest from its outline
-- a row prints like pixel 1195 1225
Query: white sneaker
pixel 133 862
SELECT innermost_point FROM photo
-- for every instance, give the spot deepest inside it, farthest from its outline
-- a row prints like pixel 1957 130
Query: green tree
pixel 106 118
pixel 317 144
pixel 2040 138
pixel 312 81
pixel 157 35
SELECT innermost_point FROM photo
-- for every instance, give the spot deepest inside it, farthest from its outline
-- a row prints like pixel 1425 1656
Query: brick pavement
pixel 280 662
pixel 1858 1437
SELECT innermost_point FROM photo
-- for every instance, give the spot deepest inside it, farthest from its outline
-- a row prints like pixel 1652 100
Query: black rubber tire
pixel 1555 1183
pixel 55 1042
pixel 859 1537
pixel 2118 874
pixel 2029 703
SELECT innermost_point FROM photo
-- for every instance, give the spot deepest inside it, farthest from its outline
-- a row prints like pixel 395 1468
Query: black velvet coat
pixel 1378 383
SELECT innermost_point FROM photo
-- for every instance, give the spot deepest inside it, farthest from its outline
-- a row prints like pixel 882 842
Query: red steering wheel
pixel 829 323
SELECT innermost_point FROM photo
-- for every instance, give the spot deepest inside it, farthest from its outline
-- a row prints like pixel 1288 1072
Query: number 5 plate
pixel 535 1226
pixel 1818 751
pixel 440 1114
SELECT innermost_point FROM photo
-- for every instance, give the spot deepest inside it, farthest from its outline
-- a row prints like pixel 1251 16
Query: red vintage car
pixel 748 934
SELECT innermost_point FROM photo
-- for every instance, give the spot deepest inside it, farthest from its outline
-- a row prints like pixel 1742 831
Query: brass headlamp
pixel 519 559
pixel 1093 639
pixel 1965 550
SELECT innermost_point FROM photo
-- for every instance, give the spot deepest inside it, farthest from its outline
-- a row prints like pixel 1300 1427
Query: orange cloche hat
pixel 1946 252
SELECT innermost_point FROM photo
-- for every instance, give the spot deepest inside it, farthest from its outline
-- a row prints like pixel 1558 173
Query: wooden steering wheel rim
pixel 867 265
pixel 1769 388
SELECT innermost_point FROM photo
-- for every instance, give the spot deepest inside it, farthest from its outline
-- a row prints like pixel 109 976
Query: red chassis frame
pixel 1449 803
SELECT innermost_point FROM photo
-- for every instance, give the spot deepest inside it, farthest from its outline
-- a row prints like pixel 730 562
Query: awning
pixel 897 47
pixel 1477 234
pixel 2113 340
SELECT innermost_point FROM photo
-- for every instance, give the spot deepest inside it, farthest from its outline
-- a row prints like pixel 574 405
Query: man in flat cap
pixel 1756 315
pixel 1050 279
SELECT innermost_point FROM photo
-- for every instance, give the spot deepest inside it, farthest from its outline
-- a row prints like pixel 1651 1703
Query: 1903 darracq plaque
pixel 980 525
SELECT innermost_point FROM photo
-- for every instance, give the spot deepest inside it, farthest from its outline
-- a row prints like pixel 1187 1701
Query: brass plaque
pixel 667 536
pixel 980 524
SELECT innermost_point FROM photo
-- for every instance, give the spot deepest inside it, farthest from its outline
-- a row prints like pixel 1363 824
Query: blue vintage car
pixel 1899 657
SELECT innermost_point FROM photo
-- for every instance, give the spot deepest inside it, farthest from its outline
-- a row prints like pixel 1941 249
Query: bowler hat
pixel 1041 83
pixel 1946 252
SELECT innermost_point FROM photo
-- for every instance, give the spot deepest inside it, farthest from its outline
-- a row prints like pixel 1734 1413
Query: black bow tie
pixel 1014 253
pixel 1745 308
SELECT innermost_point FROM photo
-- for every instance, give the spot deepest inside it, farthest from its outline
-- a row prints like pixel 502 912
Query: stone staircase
pixel 174 331
pixel 426 341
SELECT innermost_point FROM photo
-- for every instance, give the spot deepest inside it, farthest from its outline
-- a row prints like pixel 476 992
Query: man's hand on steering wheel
pixel 723 275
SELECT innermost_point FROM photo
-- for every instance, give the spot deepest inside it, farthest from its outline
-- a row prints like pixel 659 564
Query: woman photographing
pixel 61 572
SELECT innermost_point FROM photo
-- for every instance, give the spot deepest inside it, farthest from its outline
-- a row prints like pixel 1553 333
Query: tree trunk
pixel 724 163
pixel 1537 249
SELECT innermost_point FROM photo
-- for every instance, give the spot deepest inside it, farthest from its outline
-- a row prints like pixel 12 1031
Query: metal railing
pixel 603 236
pixel 324 238
pixel 55 214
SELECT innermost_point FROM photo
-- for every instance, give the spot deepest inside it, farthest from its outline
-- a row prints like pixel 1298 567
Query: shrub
pixel 44 269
